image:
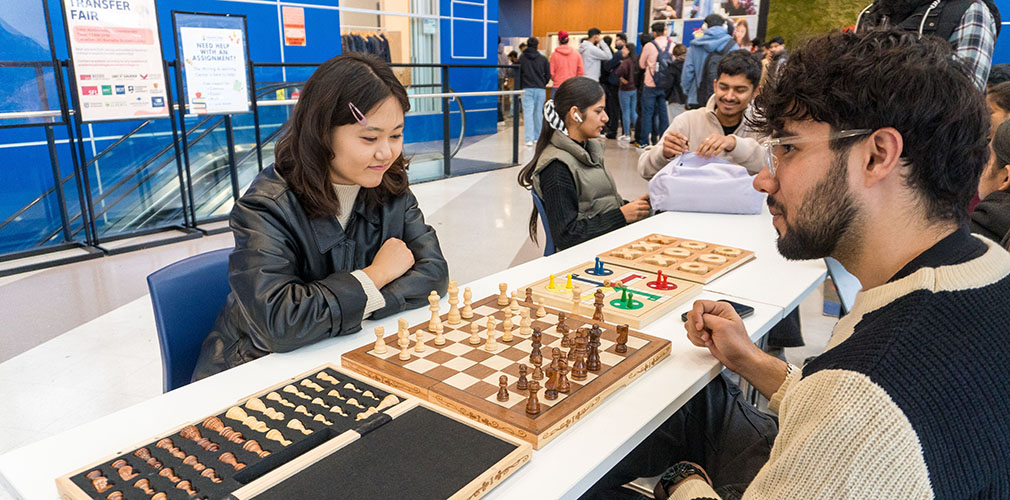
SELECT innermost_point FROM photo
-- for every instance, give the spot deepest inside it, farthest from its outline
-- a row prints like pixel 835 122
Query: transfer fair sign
pixel 116 52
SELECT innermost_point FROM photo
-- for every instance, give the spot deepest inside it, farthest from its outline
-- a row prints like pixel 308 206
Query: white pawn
pixel 541 312
pixel 525 322
pixel 454 317
pixel 492 342
pixel 467 310
pixel 439 338
pixel 474 336
pixel 507 327
pixel 419 344
pixel 403 340
pixel 514 305
pixel 380 344
pixel 503 299
pixel 576 299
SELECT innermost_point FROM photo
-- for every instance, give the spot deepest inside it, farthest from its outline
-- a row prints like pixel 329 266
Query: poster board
pixel 115 50
pixel 678 14
pixel 213 52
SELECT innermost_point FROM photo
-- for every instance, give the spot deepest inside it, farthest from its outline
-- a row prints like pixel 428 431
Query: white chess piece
pixel 419 341
pixel 439 338
pixel 454 316
pixel 474 336
pixel 525 322
pixel 380 344
pixel 433 307
pixel 507 327
pixel 467 310
pixel 492 343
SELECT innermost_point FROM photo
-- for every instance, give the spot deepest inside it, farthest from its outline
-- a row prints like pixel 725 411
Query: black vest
pixel 941 21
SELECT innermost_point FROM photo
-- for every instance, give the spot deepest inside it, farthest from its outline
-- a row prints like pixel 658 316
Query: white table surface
pixel 564 468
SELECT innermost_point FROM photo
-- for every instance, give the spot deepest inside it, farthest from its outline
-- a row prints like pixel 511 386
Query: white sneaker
pixel 529 144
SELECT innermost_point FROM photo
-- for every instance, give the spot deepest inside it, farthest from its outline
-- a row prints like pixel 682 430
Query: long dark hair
pixel 304 152
pixel 578 91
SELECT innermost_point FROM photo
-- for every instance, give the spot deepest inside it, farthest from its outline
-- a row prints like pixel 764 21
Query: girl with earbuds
pixel 567 170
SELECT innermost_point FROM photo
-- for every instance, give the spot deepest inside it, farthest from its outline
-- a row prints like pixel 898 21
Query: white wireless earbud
pixel 578 118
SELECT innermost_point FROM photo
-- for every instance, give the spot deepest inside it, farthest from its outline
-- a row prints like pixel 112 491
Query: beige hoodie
pixel 697 125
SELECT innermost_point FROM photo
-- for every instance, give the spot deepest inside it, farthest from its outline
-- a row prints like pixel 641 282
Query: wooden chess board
pixel 690 260
pixel 464 377
pixel 651 298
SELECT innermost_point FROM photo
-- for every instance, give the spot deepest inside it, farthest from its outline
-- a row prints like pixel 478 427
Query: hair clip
pixel 358 115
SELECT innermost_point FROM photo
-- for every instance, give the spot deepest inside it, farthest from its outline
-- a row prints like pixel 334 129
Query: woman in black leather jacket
pixel 330 234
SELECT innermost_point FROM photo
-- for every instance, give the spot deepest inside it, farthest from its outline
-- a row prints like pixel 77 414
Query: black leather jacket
pixel 290 275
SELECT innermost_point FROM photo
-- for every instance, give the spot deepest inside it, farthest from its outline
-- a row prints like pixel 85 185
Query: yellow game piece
pixel 550 284
pixel 568 284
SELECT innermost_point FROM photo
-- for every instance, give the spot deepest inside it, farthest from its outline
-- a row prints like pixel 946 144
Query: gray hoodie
pixel 592 57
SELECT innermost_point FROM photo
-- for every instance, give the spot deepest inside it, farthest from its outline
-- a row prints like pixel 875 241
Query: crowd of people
pixel 881 147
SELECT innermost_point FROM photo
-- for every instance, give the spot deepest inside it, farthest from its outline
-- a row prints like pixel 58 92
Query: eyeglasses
pixel 771 157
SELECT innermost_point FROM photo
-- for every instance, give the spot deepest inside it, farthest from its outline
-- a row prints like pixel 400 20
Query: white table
pixel 568 465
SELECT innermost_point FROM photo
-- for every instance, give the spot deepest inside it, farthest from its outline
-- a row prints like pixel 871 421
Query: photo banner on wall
pixel 115 49
pixel 215 66
pixel 679 14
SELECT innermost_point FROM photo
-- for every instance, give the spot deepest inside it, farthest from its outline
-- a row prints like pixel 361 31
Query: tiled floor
pixel 57 370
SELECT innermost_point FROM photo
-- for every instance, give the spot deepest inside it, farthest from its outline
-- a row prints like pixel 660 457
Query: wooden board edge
pixel 67 490
pixel 555 430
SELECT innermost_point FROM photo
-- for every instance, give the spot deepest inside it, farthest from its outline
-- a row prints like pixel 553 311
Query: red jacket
pixel 565 63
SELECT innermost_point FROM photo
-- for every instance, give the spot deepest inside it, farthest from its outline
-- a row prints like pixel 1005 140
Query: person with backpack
pixel 970 26
pixel 657 61
pixel 675 97
pixel 702 61
pixel 534 73
pixel 719 128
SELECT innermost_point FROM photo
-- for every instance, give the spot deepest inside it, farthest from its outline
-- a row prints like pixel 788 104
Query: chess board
pixel 464 377
pixel 690 260
pixel 651 298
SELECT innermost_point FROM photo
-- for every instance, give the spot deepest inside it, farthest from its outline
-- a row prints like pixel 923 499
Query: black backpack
pixel 664 76
pixel 710 71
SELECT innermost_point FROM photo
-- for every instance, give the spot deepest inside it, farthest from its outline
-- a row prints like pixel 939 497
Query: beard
pixel 824 220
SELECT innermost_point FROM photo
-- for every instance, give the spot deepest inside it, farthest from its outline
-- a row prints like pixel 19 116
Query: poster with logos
pixel 115 48
pixel 215 67
pixel 684 18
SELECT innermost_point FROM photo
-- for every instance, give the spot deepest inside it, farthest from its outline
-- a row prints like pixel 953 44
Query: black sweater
pixel 534 70
pixel 561 200
pixel 991 217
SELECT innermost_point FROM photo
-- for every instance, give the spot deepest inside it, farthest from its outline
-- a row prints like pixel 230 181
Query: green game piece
pixel 624 294
pixel 630 301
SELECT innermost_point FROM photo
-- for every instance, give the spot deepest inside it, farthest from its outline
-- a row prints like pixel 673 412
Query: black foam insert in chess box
pixel 175 464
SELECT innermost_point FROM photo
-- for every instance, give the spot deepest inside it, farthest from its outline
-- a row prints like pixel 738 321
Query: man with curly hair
pixel 910 399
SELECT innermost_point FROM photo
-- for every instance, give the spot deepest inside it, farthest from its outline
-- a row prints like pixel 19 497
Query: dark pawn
pixel 593 357
pixel 562 327
pixel 521 383
pixel 503 391
pixel 538 373
pixel 529 295
pixel 622 339
pixel 563 386
pixel 533 404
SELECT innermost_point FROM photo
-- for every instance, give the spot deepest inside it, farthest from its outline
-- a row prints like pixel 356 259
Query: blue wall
pixel 1002 53
pixel 515 18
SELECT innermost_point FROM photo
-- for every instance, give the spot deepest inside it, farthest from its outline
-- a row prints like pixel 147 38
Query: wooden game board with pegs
pixel 691 260
pixel 465 377
pixel 652 295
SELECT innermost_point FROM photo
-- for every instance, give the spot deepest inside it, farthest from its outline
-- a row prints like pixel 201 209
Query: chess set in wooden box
pixel 515 365
pixel 322 434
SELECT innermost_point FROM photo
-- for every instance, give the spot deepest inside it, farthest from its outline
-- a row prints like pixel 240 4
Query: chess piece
pixel 454 316
pixel 474 336
pixel 598 305
pixel 403 340
pixel 541 312
pixel 576 299
pixel 562 326
pixel 553 375
pixel 380 344
pixel 622 339
pixel 529 295
pixel 507 327
pixel 439 338
pixel 538 373
pixel 503 391
pixel 525 322
pixel 521 383
pixel 579 371
pixel 492 344
pixel 503 299
pixel 419 340
pixel 433 307
pixel 467 309
pixel 593 357
pixel 514 303
pixel 563 385
pixel 533 404
pixel 535 353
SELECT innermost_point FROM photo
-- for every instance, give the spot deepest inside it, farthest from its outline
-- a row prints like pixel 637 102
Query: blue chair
pixel 187 297
pixel 549 244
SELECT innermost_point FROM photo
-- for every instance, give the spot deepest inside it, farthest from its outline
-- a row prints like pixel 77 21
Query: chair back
pixel 549 244
pixel 846 284
pixel 187 297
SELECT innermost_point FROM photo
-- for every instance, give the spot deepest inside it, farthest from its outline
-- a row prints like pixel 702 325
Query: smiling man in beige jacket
pixel 718 129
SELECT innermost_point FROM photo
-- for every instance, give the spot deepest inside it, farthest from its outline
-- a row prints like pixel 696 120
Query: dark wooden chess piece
pixel 503 391
pixel 598 305
pixel 533 404
pixel 579 371
pixel 538 373
pixel 593 357
pixel 536 355
pixel 551 387
pixel 562 326
pixel 529 295
pixel 622 339
pixel 563 386
pixel 521 383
